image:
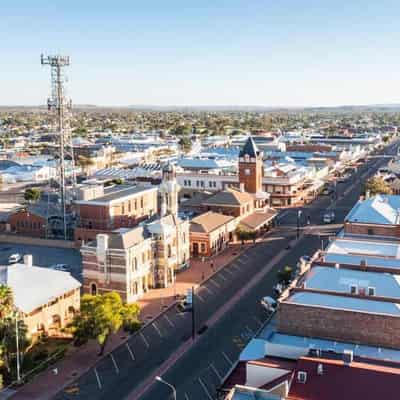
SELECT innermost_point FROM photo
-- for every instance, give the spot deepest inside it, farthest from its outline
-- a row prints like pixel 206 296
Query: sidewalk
pixel 79 359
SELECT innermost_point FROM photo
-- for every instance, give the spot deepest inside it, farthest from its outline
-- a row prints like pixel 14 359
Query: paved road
pixel 198 373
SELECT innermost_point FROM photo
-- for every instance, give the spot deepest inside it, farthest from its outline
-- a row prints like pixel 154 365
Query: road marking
pixel 249 330
pixel 115 363
pixel 227 358
pixel 216 372
pixel 144 340
pixel 217 285
pixel 258 320
pixel 205 389
pixel 98 378
pixel 222 276
pixel 200 297
pixel 245 256
pixel 229 272
pixel 168 320
pixel 157 329
pixel 241 262
pixel 130 351
pixel 208 289
pixel 186 397
pixel 236 267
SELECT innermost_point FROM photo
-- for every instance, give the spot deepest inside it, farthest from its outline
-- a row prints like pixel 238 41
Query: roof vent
pixel 302 376
pixel 348 356
pixel 320 369
pixel 337 265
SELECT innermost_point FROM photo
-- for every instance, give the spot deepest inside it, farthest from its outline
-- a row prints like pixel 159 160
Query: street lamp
pixel 159 379
pixel 298 223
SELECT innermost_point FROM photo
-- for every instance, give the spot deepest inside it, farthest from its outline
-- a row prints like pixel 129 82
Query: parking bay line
pixel 227 358
pixel 97 378
pixel 157 329
pixel 222 276
pixel 144 339
pixel 168 320
pixel 216 284
pixel 216 371
pixel 115 363
pixel 130 351
pixel 203 385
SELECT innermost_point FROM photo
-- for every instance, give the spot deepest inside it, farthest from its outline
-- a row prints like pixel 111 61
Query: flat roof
pixel 344 303
pixel 341 279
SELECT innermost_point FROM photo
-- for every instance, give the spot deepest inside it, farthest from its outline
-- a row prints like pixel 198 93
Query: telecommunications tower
pixel 61 106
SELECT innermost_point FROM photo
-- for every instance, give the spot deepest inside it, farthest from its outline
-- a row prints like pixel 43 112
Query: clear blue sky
pixel 236 52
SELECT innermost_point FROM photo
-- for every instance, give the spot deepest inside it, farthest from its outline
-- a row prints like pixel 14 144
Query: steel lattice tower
pixel 61 106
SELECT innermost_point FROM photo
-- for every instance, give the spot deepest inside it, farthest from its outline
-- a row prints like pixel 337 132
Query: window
pixel 371 291
pixel 202 183
pixel 143 258
pixel 370 231
pixel 353 289
pixel 135 264
pixel 197 183
pixel 169 250
pixel 302 377
pixel 135 204
pixel 122 208
pixel 203 247
pixel 93 289
pixel 141 202
pixel 129 207
pixel 247 171
pixel 210 184
pixel 189 183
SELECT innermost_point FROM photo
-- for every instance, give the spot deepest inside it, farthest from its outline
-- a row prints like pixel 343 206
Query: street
pixel 199 372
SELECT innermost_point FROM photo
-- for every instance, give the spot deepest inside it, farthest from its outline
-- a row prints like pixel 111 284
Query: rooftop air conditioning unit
pixel 302 376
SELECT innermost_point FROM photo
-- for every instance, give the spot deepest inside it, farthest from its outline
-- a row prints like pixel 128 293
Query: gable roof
pixel 33 287
pixel 229 197
pixel 249 149
pixel 209 221
pixel 380 209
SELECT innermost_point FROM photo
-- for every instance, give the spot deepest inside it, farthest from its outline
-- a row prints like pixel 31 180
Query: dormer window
pixel 371 291
pixel 353 289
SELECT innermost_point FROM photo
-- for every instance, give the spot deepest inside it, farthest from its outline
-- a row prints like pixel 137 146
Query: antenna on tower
pixel 61 106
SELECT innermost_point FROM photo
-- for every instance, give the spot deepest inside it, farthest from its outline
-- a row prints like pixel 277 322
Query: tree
pixel 100 316
pixel 8 350
pixel 377 185
pixel 32 194
pixel 285 275
pixel 185 143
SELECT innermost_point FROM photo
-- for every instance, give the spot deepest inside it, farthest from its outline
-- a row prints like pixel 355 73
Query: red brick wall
pixel 253 182
pixel 376 230
pixel 28 224
pixel 341 325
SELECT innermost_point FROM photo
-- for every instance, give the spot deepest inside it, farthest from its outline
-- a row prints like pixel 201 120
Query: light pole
pixel 17 347
pixel 298 223
pixel 159 379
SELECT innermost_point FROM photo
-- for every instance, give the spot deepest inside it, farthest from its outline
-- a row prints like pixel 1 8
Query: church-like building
pixel 132 260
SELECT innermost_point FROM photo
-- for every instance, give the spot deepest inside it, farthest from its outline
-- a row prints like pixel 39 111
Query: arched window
pixel 93 289
pixel 169 251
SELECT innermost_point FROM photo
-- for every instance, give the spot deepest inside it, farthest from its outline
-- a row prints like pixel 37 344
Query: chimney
pixel 102 246
pixel 28 260
pixel 241 187
pixel 337 265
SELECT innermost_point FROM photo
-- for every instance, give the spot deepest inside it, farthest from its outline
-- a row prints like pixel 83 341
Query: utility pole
pixel 61 106
pixel 17 347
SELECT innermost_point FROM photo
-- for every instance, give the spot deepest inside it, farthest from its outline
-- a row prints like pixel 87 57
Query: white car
pixel 269 303
pixel 60 267
pixel 14 258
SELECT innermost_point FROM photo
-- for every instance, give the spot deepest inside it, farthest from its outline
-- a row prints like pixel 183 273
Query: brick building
pixel 120 207
pixel 131 261
pixel 375 216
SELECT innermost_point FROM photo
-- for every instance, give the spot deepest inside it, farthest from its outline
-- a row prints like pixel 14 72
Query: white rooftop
pixel 380 209
pixel 353 251
pixel 340 280
pixel 345 303
pixel 35 286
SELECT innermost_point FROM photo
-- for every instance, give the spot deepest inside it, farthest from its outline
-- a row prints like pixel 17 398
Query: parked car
pixel 328 217
pixel 14 258
pixel 327 191
pixel 60 267
pixel 269 303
